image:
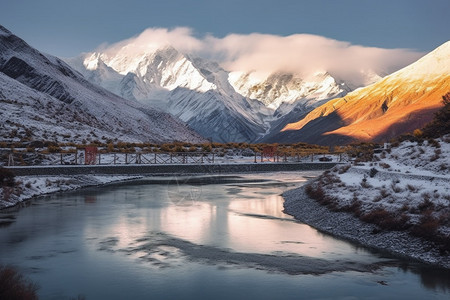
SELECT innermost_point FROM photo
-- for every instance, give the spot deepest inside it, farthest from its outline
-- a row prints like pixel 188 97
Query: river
pixel 190 238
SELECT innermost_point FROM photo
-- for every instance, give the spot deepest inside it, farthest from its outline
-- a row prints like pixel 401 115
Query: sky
pixel 68 28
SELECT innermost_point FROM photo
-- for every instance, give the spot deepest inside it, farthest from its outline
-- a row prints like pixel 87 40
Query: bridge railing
pixel 78 158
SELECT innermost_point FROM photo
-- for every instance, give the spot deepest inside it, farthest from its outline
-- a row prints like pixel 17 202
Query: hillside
pixel 42 98
pixel 399 201
pixel 397 104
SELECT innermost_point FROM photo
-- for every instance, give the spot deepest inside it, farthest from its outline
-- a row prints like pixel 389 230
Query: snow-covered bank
pixel 344 225
pixel 27 187
pixel 399 201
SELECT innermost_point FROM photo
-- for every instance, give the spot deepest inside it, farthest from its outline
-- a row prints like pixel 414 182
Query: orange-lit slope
pixel 399 103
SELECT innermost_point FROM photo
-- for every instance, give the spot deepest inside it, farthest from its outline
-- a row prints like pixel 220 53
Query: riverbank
pixel 344 225
pixel 398 202
pixel 28 187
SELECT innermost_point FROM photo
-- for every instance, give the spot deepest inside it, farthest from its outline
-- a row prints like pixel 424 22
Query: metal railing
pixel 191 158
pixel 101 158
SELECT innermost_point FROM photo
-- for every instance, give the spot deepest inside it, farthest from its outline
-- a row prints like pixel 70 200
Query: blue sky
pixel 67 28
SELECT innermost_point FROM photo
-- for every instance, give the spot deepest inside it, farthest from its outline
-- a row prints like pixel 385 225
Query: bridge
pixel 167 169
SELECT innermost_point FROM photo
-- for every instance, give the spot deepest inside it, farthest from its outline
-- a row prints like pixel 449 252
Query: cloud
pixel 151 39
pixel 301 54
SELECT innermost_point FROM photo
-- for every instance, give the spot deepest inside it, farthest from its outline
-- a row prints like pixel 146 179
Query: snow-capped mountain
pixel 43 98
pixel 399 103
pixel 196 91
pixel 220 105
pixel 285 88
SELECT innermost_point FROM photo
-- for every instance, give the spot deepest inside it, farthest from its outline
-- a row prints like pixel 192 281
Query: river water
pixel 187 238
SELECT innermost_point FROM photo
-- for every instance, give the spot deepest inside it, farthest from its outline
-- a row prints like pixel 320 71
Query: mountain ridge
pixel 157 79
pixel 398 103
pixel 40 91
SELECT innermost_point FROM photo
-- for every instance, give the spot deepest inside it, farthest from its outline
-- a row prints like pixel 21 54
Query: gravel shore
pixel 344 225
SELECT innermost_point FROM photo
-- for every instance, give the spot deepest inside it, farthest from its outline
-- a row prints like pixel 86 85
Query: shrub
pixel 354 207
pixel 418 133
pixel 440 124
pixel 207 147
pixel 426 204
pixel 384 193
pixel 412 188
pixel 179 148
pixel 385 165
pixel 53 149
pixel 373 172
pixel 14 286
pixel 166 148
pixel 6 177
pixel 386 220
pixel 315 192
pixel 395 188
pixel 427 227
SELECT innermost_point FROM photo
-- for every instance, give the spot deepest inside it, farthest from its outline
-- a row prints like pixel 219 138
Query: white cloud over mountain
pixel 265 53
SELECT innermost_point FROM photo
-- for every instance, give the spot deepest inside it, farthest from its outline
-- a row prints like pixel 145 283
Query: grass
pixel 14 286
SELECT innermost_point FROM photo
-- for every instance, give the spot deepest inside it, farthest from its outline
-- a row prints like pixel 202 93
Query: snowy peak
pixel 430 66
pixel 195 90
pixel 279 88
pixel 397 104
pixel 165 67
pixel 42 95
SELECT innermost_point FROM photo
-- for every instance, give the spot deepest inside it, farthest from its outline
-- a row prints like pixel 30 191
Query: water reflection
pixel 90 199
pixel 218 230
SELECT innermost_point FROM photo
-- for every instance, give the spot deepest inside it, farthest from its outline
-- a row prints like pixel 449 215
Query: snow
pixel 202 93
pixel 432 65
pixel 283 88
pixel 402 180
pixel 51 101
pixel 28 187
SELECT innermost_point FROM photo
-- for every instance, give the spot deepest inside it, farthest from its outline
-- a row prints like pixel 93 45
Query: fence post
pixel 99 159
pixel 10 160
pixel 155 158
pixel 312 157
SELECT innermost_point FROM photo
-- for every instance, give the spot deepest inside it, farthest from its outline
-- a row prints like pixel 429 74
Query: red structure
pixel 90 155
pixel 269 151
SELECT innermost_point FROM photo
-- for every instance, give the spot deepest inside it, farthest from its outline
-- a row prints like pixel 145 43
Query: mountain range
pixel 160 94
pixel 220 105
pixel 399 103
pixel 42 98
